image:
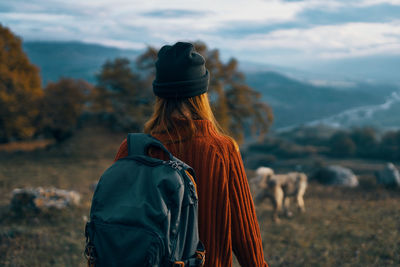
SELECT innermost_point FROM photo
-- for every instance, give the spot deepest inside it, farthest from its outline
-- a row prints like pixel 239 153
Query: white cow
pixel 279 188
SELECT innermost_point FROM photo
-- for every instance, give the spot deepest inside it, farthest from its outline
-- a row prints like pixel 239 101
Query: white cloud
pixel 134 24
pixel 35 17
pixel 332 41
pixel 379 2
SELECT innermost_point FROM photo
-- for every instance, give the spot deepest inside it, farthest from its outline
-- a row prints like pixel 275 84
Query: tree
pixel 20 90
pixel 342 145
pixel 237 107
pixel 365 141
pixel 390 145
pixel 62 106
pixel 122 96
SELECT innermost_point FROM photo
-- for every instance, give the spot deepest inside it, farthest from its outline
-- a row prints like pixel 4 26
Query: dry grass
pixel 52 238
pixel 25 145
pixel 341 227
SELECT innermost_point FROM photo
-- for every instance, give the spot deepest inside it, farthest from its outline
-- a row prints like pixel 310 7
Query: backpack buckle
pixel 90 255
pixel 178 264
pixel 201 256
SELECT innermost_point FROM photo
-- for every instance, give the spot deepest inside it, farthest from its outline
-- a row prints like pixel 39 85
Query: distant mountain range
pixel 296 96
pixel 378 69
pixel 72 59
pixel 295 102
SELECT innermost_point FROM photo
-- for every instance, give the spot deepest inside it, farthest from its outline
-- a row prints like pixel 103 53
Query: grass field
pixel 341 227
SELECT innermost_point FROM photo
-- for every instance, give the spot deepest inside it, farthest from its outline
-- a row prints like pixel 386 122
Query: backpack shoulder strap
pixel 185 167
pixel 139 143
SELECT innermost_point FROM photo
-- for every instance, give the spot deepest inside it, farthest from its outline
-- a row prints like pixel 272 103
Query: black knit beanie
pixel 180 72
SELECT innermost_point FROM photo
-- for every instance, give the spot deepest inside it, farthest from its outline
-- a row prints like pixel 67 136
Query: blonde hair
pixel 169 115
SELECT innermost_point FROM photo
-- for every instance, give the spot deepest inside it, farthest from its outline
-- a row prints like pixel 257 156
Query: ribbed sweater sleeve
pixel 214 228
pixel 246 238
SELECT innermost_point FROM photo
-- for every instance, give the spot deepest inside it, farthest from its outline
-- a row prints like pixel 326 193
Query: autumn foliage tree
pixel 20 90
pixel 122 96
pixel 237 106
pixel 127 94
pixel 62 105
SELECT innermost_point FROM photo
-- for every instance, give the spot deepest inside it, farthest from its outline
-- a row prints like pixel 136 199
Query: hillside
pixel 72 59
pixel 382 68
pixel 294 101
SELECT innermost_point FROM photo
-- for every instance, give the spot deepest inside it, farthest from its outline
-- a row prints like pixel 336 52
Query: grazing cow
pixel 260 181
pixel 279 188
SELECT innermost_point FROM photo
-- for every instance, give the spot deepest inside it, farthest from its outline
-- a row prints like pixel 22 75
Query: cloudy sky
pixel 270 31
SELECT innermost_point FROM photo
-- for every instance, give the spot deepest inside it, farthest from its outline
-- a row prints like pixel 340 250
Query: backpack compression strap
pixel 196 261
pixel 139 143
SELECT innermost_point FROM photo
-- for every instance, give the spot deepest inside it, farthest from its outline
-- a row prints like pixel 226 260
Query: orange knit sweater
pixel 227 218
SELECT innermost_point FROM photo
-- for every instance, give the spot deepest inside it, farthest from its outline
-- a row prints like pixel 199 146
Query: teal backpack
pixel 144 212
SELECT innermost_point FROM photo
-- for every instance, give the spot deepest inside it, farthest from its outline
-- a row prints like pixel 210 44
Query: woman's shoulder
pixel 223 144
pixel 122 151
